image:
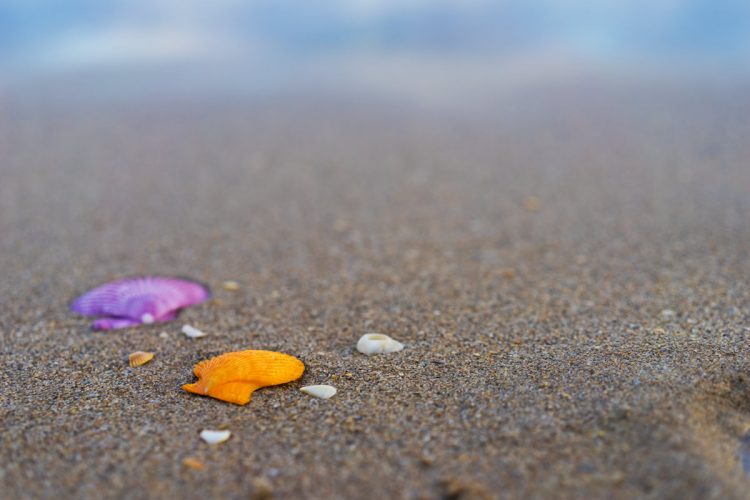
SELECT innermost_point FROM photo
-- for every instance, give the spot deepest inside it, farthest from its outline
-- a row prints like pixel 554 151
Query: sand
pixel 527 255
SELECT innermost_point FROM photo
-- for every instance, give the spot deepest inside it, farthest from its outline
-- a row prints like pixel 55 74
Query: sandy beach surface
pixel 568 271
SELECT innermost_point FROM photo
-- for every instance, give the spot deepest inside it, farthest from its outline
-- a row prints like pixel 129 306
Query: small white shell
pixel 377 343
pixel 319 391
pixel 191 332
pixel 215 437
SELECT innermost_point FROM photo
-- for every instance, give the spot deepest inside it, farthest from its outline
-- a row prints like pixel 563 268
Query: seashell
pixel 192 332
pixel 377 343
pixel 193 463
pixel 136 301
pixel 233 376
pixel 215 437
pixel 232 286
pixel 319 391
pixel 139 358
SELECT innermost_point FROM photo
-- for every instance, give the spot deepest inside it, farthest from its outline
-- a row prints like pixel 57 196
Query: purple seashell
pixel 135 301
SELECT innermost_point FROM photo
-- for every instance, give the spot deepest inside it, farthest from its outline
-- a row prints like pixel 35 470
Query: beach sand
pixel 568 271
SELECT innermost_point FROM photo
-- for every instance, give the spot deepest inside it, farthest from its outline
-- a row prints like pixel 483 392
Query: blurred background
pixel 434 52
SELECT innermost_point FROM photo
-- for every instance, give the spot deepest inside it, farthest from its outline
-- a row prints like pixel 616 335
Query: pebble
pixel 262 488
pixel 668 314
pixel 531 204
pixel 232 286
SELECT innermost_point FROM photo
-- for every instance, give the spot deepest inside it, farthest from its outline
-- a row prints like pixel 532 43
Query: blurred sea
pixel 449 52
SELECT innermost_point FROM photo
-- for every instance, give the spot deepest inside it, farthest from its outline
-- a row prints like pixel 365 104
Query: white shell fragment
pixel 319 391
pixel 377 343
pixel 215 437
pixel 192 332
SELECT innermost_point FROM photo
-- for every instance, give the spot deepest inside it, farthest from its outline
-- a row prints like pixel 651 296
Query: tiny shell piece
pixel 215 437
pixel 193 463
pixel 139 358
pixel 192 332
pixel 377 343
pixel 234 376
pixel 319 391
pixel 232 286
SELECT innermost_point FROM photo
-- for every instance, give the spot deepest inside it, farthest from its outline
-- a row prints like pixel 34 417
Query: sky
pixel 378 43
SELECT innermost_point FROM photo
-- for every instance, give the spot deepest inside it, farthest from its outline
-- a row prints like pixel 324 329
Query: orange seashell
pixel 139 358
pixel 233 376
